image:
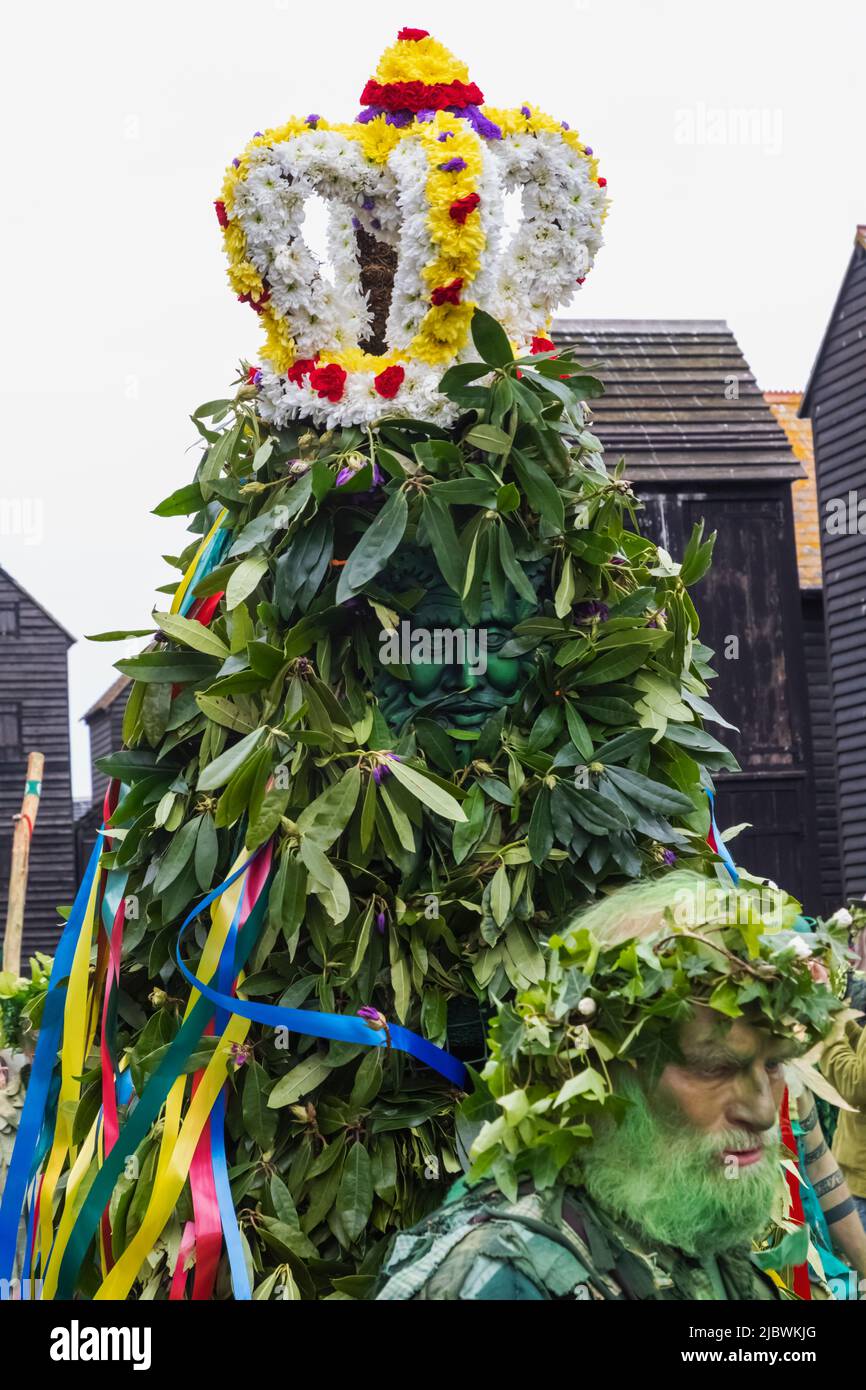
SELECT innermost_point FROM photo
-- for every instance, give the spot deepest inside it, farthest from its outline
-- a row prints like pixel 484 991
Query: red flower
pixel 447 294
pixel 222 215
pixel 542 345
pixel 329 381
pixel 421 96
pixel 413 35
pixel 257 304
pixel 602 183
pixel 300 369
pixel 388 382
pixel 463 207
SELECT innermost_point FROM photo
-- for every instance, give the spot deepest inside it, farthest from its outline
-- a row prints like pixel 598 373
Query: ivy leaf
pixel 375 547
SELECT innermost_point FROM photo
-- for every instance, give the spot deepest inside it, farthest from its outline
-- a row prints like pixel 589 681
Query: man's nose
pixel 753 1105
pixel 470 679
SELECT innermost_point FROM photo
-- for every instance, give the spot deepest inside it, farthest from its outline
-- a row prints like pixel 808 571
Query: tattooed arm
pixel 831 1189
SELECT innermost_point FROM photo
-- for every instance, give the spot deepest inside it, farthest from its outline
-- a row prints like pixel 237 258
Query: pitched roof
pixel 681 403
pixel 858 252
pixel 107 699
pixel 36 604
pixel 785 406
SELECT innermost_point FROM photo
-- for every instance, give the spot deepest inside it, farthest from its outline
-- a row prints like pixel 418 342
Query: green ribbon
pixel 33 788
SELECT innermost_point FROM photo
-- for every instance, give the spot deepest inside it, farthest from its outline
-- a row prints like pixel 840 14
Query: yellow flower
pixel 377 139
pixel 426 60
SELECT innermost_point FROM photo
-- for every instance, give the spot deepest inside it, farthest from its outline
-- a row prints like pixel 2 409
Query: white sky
pixel 118 120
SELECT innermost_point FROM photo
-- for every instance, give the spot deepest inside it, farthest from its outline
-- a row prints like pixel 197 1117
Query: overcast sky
pixel 731 135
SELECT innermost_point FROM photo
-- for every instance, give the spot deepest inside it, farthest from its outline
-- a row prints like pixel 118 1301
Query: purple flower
pixel 376 224
pixel 380 923
pixel 525 111
pixel 368 114
pixel 400 119
pixel 313 120
pixel 453 166
pixel 368 203
pixel 257 134
pixel 446 135
pixel 373 1018
pixel 381 772
pixel 356 223
pixel 236 163
pixel 669 857
pixel 480 123
pixel 587 149
pixel 654 622
pixel 425 116
pixel 618 560
pixel 565 125
pixel 591 608
pixel 257 377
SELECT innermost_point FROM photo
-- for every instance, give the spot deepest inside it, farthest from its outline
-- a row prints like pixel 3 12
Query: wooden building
pixel 34 714
pixel 699 441
pixel 785 406
pixel 835 402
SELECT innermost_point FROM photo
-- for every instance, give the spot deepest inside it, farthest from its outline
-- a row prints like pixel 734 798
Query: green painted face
pixel 457 674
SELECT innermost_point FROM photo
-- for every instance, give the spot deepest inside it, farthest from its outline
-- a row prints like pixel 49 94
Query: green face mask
pixel 656 1173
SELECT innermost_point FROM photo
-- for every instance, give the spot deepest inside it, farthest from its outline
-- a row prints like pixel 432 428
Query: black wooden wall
pixel 34 716
pixel 823 749
pixel 836 403
pixel 749 604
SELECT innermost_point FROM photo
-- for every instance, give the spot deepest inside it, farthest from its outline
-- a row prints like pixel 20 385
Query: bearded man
pixel 626 1127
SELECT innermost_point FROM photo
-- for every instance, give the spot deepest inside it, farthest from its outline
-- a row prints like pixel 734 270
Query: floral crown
pixel 621 977
pixel 415 191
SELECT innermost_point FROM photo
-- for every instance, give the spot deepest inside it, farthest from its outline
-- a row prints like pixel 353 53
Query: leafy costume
pixel 621 978
pixel 553 1245
pixel 302 835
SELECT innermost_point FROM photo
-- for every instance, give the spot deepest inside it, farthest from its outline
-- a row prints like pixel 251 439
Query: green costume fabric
pixel 555 1245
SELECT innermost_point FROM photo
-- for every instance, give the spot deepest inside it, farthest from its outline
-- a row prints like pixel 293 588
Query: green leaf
pixel 325 819
pixel 434 797
pixel 611 666
pixel 120 635
pixel 500 895
pixel 175 668
pixel 259 1120
pixel 443 540
pixel 355 1195
pixel 658 796
pixel 325 881
pixel 245 579
pixel 375 547
pixel 223 768
pixel 540 489
pixel 459 377
pixel 178 855
pixel 206 852
pixel 191 633
pixel 302 1079
pixel 180 503
pixel 489 439
pixel 223 712
pixel 491 340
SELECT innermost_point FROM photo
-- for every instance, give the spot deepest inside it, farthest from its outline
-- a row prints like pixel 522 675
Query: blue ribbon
pixel 721 848
pixel 209 560
pixel 33 1113
pixel 338 1027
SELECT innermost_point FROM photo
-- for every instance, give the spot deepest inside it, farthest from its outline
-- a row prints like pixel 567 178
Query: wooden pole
pixel 24 825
